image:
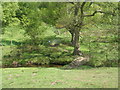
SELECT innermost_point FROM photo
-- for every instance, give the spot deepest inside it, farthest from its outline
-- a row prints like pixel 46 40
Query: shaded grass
pixel 60 55
pixel 8 42
pixel 58 78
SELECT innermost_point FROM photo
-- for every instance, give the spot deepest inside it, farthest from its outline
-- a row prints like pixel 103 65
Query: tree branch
pixel 90 4
pixel 71 2
pixel 99 11
pixel 82 7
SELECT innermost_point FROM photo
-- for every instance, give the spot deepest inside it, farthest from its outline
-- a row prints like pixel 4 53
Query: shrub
pixel 104 55
pixel 55 54
pixel 40 60
pixel 62 60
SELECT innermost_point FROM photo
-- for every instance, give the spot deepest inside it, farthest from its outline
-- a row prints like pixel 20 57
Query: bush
pixel 104 55
pixel 97 59
pixel 7 62
pixel 55 54
pixel 37 55
pixel 62 60
pixel 40 60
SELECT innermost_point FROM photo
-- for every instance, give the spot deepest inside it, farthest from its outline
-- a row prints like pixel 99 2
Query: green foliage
pixel 14 33
pixel 31 27
pixel 42 60
pixel 9 13
pixel 103 54
pixel 102 42
pixel 38 55
pixel 63 60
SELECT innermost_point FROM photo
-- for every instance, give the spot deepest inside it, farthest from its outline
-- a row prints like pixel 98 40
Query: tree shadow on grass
pixel 8 42
pixel 82 67
pixel 53 39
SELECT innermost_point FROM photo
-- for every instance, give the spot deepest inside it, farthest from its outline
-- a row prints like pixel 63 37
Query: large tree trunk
pixel 73 36
pixel 72 39
pixel 77 24
pixel 76 43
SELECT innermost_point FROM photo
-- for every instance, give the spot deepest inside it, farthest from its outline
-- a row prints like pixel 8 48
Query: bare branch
pixel 71 2
pixel 90 4
pixel 82 6
pixel 99 11
pixel 76 6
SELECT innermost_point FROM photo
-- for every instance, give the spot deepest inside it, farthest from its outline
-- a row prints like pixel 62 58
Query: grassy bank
pixel 59 78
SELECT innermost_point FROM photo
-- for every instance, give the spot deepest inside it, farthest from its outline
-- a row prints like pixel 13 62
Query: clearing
pixel 41 77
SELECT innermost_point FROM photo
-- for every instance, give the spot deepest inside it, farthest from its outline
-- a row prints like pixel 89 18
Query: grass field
pixel 105 77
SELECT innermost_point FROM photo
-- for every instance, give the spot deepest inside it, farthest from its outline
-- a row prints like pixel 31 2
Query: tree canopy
pixel 84 22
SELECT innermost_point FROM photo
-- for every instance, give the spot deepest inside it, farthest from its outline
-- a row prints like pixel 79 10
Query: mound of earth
pixel 78 62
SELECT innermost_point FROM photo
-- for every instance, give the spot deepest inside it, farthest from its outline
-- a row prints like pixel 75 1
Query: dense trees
pixel 35 17
pixel 78 18
pixel 71 15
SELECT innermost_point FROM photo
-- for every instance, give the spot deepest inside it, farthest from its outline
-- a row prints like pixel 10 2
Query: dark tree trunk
pixel 78 24
pixel 72 39
pixel 73 36
pixel 76 43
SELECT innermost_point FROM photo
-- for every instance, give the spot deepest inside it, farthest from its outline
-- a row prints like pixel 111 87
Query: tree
pixel 9 14
pixel 34 17
pixel 78 13
pixel 72 15
pixel 9 20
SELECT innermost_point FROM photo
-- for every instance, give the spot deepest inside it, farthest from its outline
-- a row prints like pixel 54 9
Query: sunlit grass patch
pixel 59 78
